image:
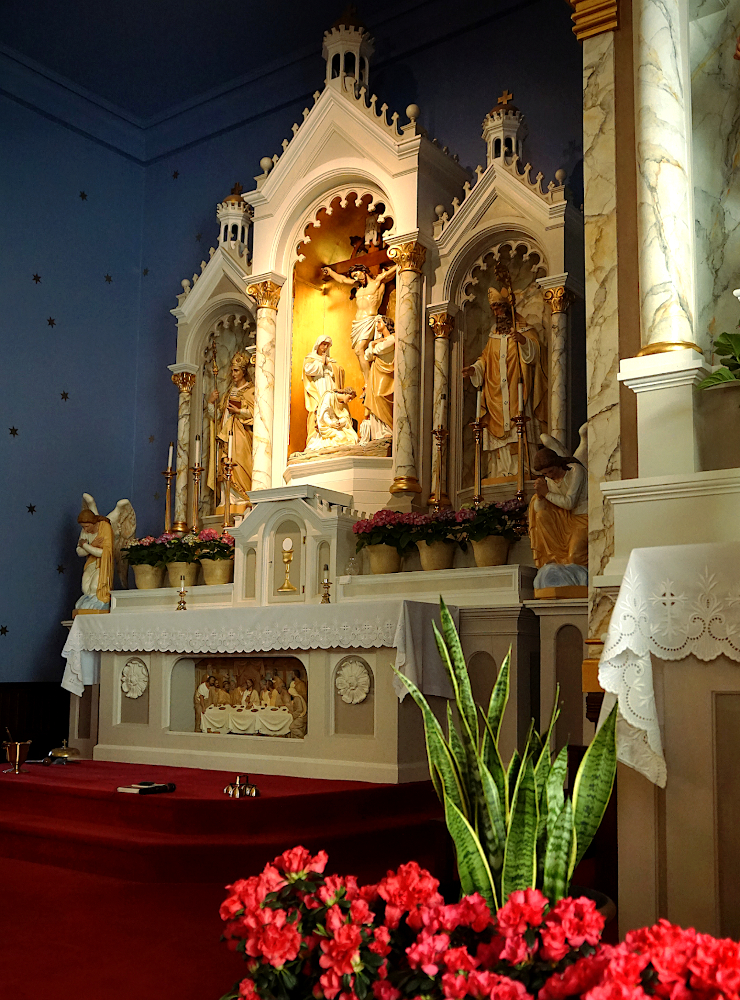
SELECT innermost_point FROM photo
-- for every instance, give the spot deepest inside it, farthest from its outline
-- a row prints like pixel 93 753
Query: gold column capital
pixel 267 294
pixel 442 325
pixel 592 17
pixel 185 381
pixel 559 299
pixel 409 256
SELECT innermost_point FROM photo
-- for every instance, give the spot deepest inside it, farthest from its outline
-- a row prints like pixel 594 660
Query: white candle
pixel 169 458
pixel 231 443
pixel 197 449
pixel 287 544
pixel 521 397
pixel 478 402
pixel 326 573
pixel 182 583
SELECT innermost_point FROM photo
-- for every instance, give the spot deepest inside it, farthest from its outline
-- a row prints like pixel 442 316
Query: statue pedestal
pixel 366 479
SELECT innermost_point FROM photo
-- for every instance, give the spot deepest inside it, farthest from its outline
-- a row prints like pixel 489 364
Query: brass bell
pixel 62 754
pixel 241 788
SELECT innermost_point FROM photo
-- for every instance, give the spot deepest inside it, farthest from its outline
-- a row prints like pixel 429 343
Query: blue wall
pixel 112 342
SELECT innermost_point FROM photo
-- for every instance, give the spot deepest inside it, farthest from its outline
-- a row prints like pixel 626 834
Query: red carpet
pixel 72 816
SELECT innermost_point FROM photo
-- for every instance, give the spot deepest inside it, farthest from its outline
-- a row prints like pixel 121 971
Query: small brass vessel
pixel 241 788
pixel 16 751
pixel 63 754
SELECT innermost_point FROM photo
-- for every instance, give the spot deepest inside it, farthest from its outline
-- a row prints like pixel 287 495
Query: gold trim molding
pixel 185 381
pixel 666 346
pixel 409 256
pixel 267 294
pixel 405 484
pixel 442 325
pixel 559 299
pixel 593 17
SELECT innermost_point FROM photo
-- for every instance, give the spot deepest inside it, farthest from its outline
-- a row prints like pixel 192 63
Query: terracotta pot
pixel 216 571
pixel 436 555
pixel 148 577
pixel 177 569
pixel 493 550
pixel 383 559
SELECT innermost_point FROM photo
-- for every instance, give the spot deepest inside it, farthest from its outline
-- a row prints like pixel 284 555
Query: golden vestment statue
pixel 558 514
pixel 233 414
pixel 380 353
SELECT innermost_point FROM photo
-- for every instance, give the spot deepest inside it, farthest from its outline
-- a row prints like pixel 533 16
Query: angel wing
pixel 554 445
pixel 123 522
pixel 88 503
pixel 581 452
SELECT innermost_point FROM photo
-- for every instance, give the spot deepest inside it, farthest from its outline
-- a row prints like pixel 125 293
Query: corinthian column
pixel 406 404
pixel 266 292
pixel 184 378
pixel 559 298
pixel 442 323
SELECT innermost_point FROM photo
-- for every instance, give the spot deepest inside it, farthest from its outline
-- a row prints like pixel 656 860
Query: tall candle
pixel 521 397
pixel 182 583
pixel 326 573
pixel 231 443
pixel 197 449
pixel 478 402
pixel 169 458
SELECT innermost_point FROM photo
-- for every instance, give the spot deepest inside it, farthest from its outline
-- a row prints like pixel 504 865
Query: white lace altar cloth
pixel 405 625
pixel 675 601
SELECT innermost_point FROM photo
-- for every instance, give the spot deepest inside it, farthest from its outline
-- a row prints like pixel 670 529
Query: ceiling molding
pixel 593 17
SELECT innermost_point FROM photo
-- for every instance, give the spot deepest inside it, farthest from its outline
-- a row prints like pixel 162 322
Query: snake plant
pixel 512 826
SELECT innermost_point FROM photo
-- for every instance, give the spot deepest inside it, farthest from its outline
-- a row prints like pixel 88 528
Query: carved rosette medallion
pixel 185 381
pixel 442 325
pixel 409 256
pixel 559 299
pixel 353 680
pixel 266 293
pixel 134 678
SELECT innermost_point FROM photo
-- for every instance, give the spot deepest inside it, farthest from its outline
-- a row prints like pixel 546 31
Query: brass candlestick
pixel 181 605
pixel 520 422
pixel 439 498
pixel 287 587
pixel 197 471
pixel 325 586
pixel 169 475
pixel 228 470
pixel 477 426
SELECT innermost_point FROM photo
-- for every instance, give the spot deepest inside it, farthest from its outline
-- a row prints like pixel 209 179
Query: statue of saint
pixel 558 514
pixel 326 398
pixel 100 544
pixel 368 292
pixel 233 413
pixel 380 354
pixel 511 356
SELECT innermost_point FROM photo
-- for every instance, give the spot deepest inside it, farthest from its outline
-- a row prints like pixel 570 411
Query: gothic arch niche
pixel 525 262
pixel 482 669
pixel 335 235
pixel 568 660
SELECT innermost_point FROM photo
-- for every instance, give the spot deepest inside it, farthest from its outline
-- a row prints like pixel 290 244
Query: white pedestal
pixel 367 480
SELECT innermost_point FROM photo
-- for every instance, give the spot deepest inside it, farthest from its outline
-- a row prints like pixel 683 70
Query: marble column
pixel 267 295
pixel 410 259
pixel 185 382
pixel 665 211
pixel 442 324
pixel 559 298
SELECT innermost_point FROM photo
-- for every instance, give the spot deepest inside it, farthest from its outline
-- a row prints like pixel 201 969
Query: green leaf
pixel 232 994
pixel 491 758
pixel 512 777
pixel 495 826
pixel 554 785
pixel 442 766
pixel 559 855
pixel 465 701
pixel 472 867
pixel 520 856
pixel 717 378
pixel 594 783
pixel 499 697
pixel 458 750
pixel 727 345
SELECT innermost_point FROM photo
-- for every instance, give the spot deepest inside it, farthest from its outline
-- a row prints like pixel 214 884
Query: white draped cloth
pixel 250 721
pixel 403 625
pixel 675 601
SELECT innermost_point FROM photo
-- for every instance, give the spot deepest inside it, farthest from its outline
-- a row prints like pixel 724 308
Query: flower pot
pixel 383 559
pixel 493 550
pixel 217 571
pixel 177 569
pixel 436 555
pixel 148 577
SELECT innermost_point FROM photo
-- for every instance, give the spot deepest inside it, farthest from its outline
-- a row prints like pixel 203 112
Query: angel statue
pixel 558 514
pixel 100 544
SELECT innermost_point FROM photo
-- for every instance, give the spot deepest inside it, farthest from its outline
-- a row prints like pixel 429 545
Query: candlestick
pixel 169 457
pixel 231 444
pixel 478 402
pixel 520 422
pixel 521 396
pixel 197 449
pixel 169 475
pixel 197 470
pixel 478 435
pixel 439 498
pixel 181 605
pixel 325 586
pixel 228 469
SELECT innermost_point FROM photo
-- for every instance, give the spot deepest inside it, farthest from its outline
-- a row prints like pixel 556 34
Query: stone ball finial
pixel 266 164
pixel 439 211
pixel 560 176
pixel 413 111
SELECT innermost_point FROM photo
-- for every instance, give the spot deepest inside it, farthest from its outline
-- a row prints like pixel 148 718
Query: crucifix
pixel 505 97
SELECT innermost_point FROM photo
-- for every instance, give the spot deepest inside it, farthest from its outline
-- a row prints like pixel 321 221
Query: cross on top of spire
pixel 505 97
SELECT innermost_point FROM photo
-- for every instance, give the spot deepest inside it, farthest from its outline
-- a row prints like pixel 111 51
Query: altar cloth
pixel 403 625
pixel 675 601
pixel 247 721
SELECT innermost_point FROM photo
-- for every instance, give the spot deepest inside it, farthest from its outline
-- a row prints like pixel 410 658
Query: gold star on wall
pixel 51 321
pixel 108 279
pixel 156 496
pixel 3 630
pixel 145 271
pixel 13 432
pixel 65 396
pixel 31 508
pixel 37 278
pixel 198 237
pixel 175 174
pixel 151 439
pixel 83 196
pixel 60 568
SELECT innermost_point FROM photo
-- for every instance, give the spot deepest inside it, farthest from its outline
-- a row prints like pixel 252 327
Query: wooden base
pixel 90 611
pixel 551 593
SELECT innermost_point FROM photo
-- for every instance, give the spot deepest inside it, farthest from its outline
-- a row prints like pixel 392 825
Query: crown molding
pixel 593 17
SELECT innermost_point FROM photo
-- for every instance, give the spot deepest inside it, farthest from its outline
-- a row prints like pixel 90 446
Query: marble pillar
pixel 665 210
pixel 185 381
pixel 442 324
pixel 559 298
pixel 267 295
pixel 602 320
pixel 410 259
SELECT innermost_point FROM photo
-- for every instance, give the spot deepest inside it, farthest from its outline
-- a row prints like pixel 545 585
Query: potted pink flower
pixel 146 558
pixel 216 554
pixel 387 537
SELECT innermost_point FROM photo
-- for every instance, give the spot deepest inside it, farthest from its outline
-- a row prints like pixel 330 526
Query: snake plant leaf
pixel 520 855
pixel 494 824
pixel 453 738
pixel 554 786
pixel 466 702
pixel 546 738
pixel 499 698
pixel 512 778
pixel 491 757
pixel 593 785
pixel 448 783
pixel 559 855
pixel 472 867
pixel 535 745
